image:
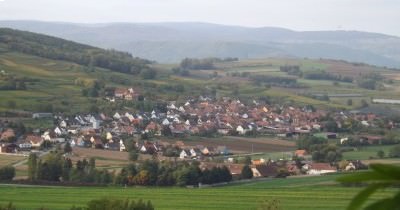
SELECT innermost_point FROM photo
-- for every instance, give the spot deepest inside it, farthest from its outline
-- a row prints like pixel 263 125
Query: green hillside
pixel 42 73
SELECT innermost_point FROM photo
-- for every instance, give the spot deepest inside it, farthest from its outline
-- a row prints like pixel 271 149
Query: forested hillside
pixel 60 49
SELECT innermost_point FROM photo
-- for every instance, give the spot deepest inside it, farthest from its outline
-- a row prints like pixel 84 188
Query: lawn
pixel 293 193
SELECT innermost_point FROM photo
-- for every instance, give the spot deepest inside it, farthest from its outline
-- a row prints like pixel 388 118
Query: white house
pixel 117 116
pixel 241 130
pixel 319 168
pixel 184 154
pixel 63 124
pixel 165 122
pixel 122 147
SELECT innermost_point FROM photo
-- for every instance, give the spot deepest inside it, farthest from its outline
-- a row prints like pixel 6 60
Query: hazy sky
pixel 367 15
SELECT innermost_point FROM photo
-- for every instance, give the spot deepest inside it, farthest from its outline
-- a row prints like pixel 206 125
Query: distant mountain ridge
pixel 171 42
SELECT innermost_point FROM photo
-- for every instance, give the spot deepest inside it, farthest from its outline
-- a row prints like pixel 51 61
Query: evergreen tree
pixel 32 166
pixel 247 173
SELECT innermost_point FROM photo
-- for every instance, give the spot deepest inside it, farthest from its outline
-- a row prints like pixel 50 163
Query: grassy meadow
pixel 301 193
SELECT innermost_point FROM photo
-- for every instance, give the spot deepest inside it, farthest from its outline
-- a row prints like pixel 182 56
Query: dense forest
pixel 60 49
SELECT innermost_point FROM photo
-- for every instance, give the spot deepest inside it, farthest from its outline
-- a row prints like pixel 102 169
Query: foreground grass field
pixel 298 193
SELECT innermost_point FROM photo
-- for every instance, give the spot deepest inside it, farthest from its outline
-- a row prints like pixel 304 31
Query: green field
pixel 293 193
pixel 367 152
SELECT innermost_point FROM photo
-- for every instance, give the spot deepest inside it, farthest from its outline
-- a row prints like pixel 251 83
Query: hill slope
pixel 43 73
pixel 170 42
pixel 59 49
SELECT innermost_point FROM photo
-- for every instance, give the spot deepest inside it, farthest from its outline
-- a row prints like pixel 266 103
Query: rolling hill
pixel 170 42
pixel 43 73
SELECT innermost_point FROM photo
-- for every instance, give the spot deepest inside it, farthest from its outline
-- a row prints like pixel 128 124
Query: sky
pixel 380 16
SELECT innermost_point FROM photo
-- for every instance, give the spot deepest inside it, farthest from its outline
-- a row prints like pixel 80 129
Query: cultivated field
pixel 9 159
pixel 242 144
pixel 104 158
pixel 301 193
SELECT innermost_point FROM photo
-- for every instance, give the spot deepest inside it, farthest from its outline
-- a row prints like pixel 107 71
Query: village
pixel 197 117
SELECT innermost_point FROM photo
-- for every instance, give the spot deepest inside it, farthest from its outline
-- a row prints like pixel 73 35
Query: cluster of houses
pixel 262 168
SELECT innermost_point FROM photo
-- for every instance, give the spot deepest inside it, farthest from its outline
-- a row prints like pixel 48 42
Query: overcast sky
pixel 381 16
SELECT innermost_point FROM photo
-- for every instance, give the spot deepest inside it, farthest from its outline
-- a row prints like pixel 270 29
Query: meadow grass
pixel 307 193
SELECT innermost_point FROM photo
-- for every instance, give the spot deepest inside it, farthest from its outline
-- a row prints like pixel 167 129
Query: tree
pixel 142 178
pixel 380 154
pixel 247 173
pixel 395 151
pixel 133 155
pixel 364 103
pixel 270 205
pixel 349 102
pixel 32 166
pixel 7 173
pixel 67 148
pixel 66 169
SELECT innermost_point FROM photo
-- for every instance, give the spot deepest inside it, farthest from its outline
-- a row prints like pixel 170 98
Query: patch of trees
pixel 322 75
pixel 291 70
pixel 15 83
pixel 59 49
pixel 288 82
pixel 198 64
pixel 320 149
pixel 7 173
pixel 203 64
pixel 238 74
pixel 395 152
pixel 153 173
pixel 116 204
pixel 56 168
pixel 104 203
pixel 148 73
pixel 370 81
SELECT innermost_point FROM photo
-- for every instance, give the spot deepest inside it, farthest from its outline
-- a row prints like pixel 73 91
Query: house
pixel 96 142
pixel 154 128
pixel 235 169
pixel 7 135
pixel 8 148
pixel 319 168
pixel 240 130
pixel 148 148
pixel 265 170
pixel 208 151
pixel 184 154
pixel 122 147
pixel 371 139
pixel 42 115
pixel 300 153
pixel 36 141
pixel 355 165
pixel 195 152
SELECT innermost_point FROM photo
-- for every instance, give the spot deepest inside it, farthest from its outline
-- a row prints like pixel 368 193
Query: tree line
pixel 103 203
pixel 202 64
pixel 57 168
